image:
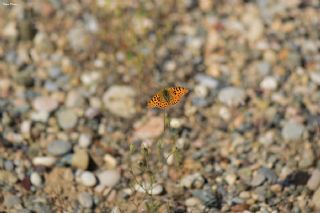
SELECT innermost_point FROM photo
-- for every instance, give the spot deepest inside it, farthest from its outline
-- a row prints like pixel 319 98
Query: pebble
pixel 67 118
pixel 316 198
pixel 257 179
pixel 315 77
pixel 11 201
pixel 109 178
pixel 35 179
pixel 88 179
pixel 314 181
pixel 110 161
pixel 45 104
pixel 192 180
pixel 7 177
pixel 40 116
pixel 231 179
pixel 307 158
pixel 207 81
pixel 79 38
pixel 59 147
pixel 232 96
pixel 74 99
pixel 85 199
pixel 292 131
pixel 269 83
pixel 80 159
pixel 8 165
pixel 152 128
pixel 209 199
pixel 154 189
pixel 120 101
pixel 47 161
pixel 85 140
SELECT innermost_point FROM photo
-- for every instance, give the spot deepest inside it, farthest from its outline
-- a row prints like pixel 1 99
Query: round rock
pixel 35 179
pixel 292 130
pixel 47 161
pixel 85 199
pixel 80 159
pixel 232 96
pixel 88 179
pixel 67 118
pixel 119 100
pixel 59 147
pixel 45 104
pixel 109 178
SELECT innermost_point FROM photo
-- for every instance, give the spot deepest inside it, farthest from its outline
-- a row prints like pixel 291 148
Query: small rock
pixel 241 207
pixel 8 165
pixel 120 100
pixel 85 199
pixel 307 158
pixel 263 68
pixel 232 96
pixel 88 179
pixel 262 175
pixel 316 198
pixel 67 118
pixel 45 104
pixel 7 177
pixel 74 99
pixel 192 180
pixel 40 116
pixel 231 179
pixel 314 181
pixel 315 77
pixel 296 178
pixel 85 140
pixel 192 201
pixel 292 131
pixel 269 83
pixel 150 129
pixel 207 81
pixel 209 199
pixel 80 159
pixel 11 201
pixel 257 179
pixel 47 161
pixel 110 161
pixel 35 179
pixel 109 178
pixel 59 147
pixel 155 189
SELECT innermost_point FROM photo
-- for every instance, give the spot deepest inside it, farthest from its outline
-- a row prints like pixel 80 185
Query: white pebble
pixel 85 199
pixel 85 140
pixel 88 179
pixel 154 189
pixel 35 179
pixel 269 83
pixel 44 161
pixel 110 161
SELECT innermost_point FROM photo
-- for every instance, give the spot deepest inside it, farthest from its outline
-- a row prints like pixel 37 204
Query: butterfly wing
pixel 176 94
pixel 157 101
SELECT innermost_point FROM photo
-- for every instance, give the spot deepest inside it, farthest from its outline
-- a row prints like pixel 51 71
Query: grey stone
pixel 59 147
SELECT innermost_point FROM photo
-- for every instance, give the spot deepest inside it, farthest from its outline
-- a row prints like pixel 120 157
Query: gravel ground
pixel 76 135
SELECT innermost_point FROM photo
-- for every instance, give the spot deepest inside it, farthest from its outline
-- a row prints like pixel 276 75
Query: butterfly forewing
pixel 177 93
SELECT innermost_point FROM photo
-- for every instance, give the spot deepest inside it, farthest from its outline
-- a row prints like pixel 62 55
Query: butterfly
pixel 167 97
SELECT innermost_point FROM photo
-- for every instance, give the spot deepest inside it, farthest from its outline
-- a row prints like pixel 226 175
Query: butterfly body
pixel 167 97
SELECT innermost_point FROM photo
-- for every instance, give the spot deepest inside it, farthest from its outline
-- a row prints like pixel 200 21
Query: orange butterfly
pixel 167 97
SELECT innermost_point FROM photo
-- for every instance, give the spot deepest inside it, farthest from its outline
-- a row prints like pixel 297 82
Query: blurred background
pixel 75 77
